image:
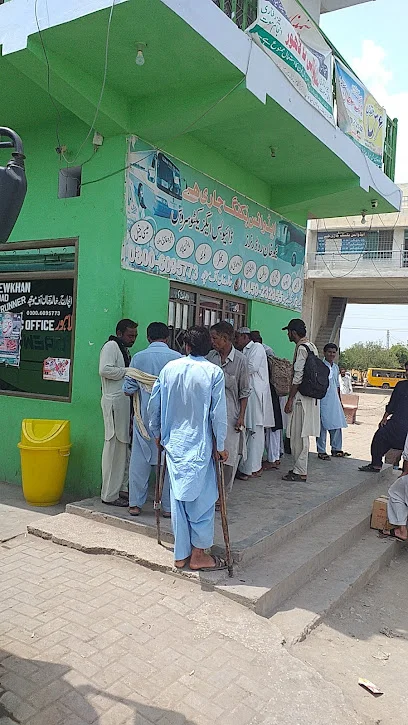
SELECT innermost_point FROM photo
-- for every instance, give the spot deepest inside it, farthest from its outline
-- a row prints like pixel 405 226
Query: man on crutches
pixel 186 408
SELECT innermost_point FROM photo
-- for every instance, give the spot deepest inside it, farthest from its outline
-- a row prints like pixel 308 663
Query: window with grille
pixel 379 244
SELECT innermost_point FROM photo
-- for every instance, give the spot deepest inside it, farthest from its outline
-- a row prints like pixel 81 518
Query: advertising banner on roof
pixel 294 42
pixel 359 115
pixel 189 227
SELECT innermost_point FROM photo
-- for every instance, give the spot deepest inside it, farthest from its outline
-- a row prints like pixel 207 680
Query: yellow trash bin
pixel 44 450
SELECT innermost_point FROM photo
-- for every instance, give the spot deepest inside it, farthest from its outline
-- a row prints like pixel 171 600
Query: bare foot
pixel 199 559
pixel 398 532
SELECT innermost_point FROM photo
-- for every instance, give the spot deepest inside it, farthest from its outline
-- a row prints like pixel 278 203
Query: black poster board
pixel 37 317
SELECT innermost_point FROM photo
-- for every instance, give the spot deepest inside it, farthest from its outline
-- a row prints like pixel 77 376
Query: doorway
pixel 188 307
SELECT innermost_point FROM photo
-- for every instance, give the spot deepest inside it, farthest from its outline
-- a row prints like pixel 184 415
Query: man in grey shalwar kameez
pixel 237 389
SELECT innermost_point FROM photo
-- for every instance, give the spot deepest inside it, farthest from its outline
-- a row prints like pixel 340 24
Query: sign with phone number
pixel 203 233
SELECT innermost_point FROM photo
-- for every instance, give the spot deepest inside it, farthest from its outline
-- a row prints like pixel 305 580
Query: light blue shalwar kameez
pixel 186 407
pixel 332 416
pixel 144 453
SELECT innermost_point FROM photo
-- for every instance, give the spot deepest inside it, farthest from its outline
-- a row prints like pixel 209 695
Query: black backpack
pixel 315 377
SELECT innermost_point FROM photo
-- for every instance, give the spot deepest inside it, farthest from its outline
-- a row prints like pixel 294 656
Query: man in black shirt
pixel 393 428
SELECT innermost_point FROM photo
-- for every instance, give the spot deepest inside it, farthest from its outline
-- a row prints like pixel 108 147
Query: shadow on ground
pixel 50 697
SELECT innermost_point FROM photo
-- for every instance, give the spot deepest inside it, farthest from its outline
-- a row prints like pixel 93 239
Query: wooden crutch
pixel 219 467
pixel 160 474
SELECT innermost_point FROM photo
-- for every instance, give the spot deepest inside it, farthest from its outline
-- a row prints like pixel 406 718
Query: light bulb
pixel 140 60
pixel 363 216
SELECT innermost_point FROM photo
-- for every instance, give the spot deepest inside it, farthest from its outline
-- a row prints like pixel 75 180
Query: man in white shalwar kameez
pixel 113 363
pixel 332 418
pixel 397 506
pixel 187 411
pixel 259 412
pixel 303 412
pixel 144 449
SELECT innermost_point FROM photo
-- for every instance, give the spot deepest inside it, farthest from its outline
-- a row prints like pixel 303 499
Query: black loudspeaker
pixel 13 184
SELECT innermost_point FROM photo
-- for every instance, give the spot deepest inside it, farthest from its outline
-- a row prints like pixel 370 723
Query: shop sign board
pixel 185 225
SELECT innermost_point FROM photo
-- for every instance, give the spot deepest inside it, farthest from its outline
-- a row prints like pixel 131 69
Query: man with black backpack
pixel 309 385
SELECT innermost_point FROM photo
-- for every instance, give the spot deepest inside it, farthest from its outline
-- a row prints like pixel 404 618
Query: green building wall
pixel 105 292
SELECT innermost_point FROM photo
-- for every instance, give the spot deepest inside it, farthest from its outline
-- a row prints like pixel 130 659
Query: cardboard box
pixel 379 518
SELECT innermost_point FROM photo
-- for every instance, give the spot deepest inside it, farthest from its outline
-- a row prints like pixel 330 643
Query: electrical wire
pixel 58 120
pixel 187 128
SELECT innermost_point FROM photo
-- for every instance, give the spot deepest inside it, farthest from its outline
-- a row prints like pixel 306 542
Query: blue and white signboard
pixel 189 227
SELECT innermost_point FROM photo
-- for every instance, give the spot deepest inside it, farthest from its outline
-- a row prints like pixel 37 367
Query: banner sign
pixel 189 227
pixel 359 115
pixel 342 242
pixel 290 37
pixel 38 315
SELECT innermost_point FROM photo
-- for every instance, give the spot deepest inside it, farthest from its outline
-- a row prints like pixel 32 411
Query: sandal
pixel 369 469
pixel 218 565
pixel 323 456
pixel 135 510
pixel 241 476
pixel 391 535
pixel 268 466
pixel 340 454
pixel 291 476
pixel 120 502
pixel 166 514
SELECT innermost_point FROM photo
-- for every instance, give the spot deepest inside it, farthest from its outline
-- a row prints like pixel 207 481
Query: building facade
pixel 362 259
pixel 172 167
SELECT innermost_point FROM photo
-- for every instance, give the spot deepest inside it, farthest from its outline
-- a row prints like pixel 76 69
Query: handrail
pixel 244 12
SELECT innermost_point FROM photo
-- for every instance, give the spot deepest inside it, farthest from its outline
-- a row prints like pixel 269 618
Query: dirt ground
pixel 367 636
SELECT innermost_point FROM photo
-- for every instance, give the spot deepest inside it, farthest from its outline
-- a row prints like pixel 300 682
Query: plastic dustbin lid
pixel 40 432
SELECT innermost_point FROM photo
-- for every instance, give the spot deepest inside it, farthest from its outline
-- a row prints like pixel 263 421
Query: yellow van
pixel 382 378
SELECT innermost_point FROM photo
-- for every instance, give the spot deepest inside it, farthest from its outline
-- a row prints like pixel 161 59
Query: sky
pixel 372 38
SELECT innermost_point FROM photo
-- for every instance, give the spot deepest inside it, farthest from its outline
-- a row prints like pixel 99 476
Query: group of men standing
pixel 215 402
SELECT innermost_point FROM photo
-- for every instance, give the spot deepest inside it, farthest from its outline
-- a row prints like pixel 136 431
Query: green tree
pixel 364 355
pixel 401 353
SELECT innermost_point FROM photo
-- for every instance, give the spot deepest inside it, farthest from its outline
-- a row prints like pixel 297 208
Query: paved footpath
pixel 95 639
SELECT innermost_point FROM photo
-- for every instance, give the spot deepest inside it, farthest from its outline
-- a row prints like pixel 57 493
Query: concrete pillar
pixel 313 8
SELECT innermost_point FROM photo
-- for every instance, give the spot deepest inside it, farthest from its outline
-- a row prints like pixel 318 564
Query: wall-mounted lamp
pixel 363 216
pixel 140 59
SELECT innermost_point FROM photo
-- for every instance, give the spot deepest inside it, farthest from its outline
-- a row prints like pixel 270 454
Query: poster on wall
pixel 342 242
pixel 290 37
pixel 56 368
pixel 10 338
pixel 40 313
pixel 193 229
pixel 359 115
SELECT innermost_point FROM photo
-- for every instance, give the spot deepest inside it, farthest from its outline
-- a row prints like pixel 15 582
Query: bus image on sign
pixel 382 378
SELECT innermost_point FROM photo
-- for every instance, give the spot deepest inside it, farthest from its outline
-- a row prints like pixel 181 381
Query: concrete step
pixel 304 611
pixel 266 583
pixel 270 542
pixel 265 537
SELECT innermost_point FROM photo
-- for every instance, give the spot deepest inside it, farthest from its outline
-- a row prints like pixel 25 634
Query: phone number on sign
pixel 167 265
pixel 263 292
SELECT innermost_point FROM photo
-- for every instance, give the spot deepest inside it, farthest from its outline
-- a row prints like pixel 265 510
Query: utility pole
pixel 388 339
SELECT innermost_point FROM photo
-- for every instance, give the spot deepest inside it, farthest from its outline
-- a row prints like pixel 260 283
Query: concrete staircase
pixel 330 329
pixel 307 573
pixel 293 575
